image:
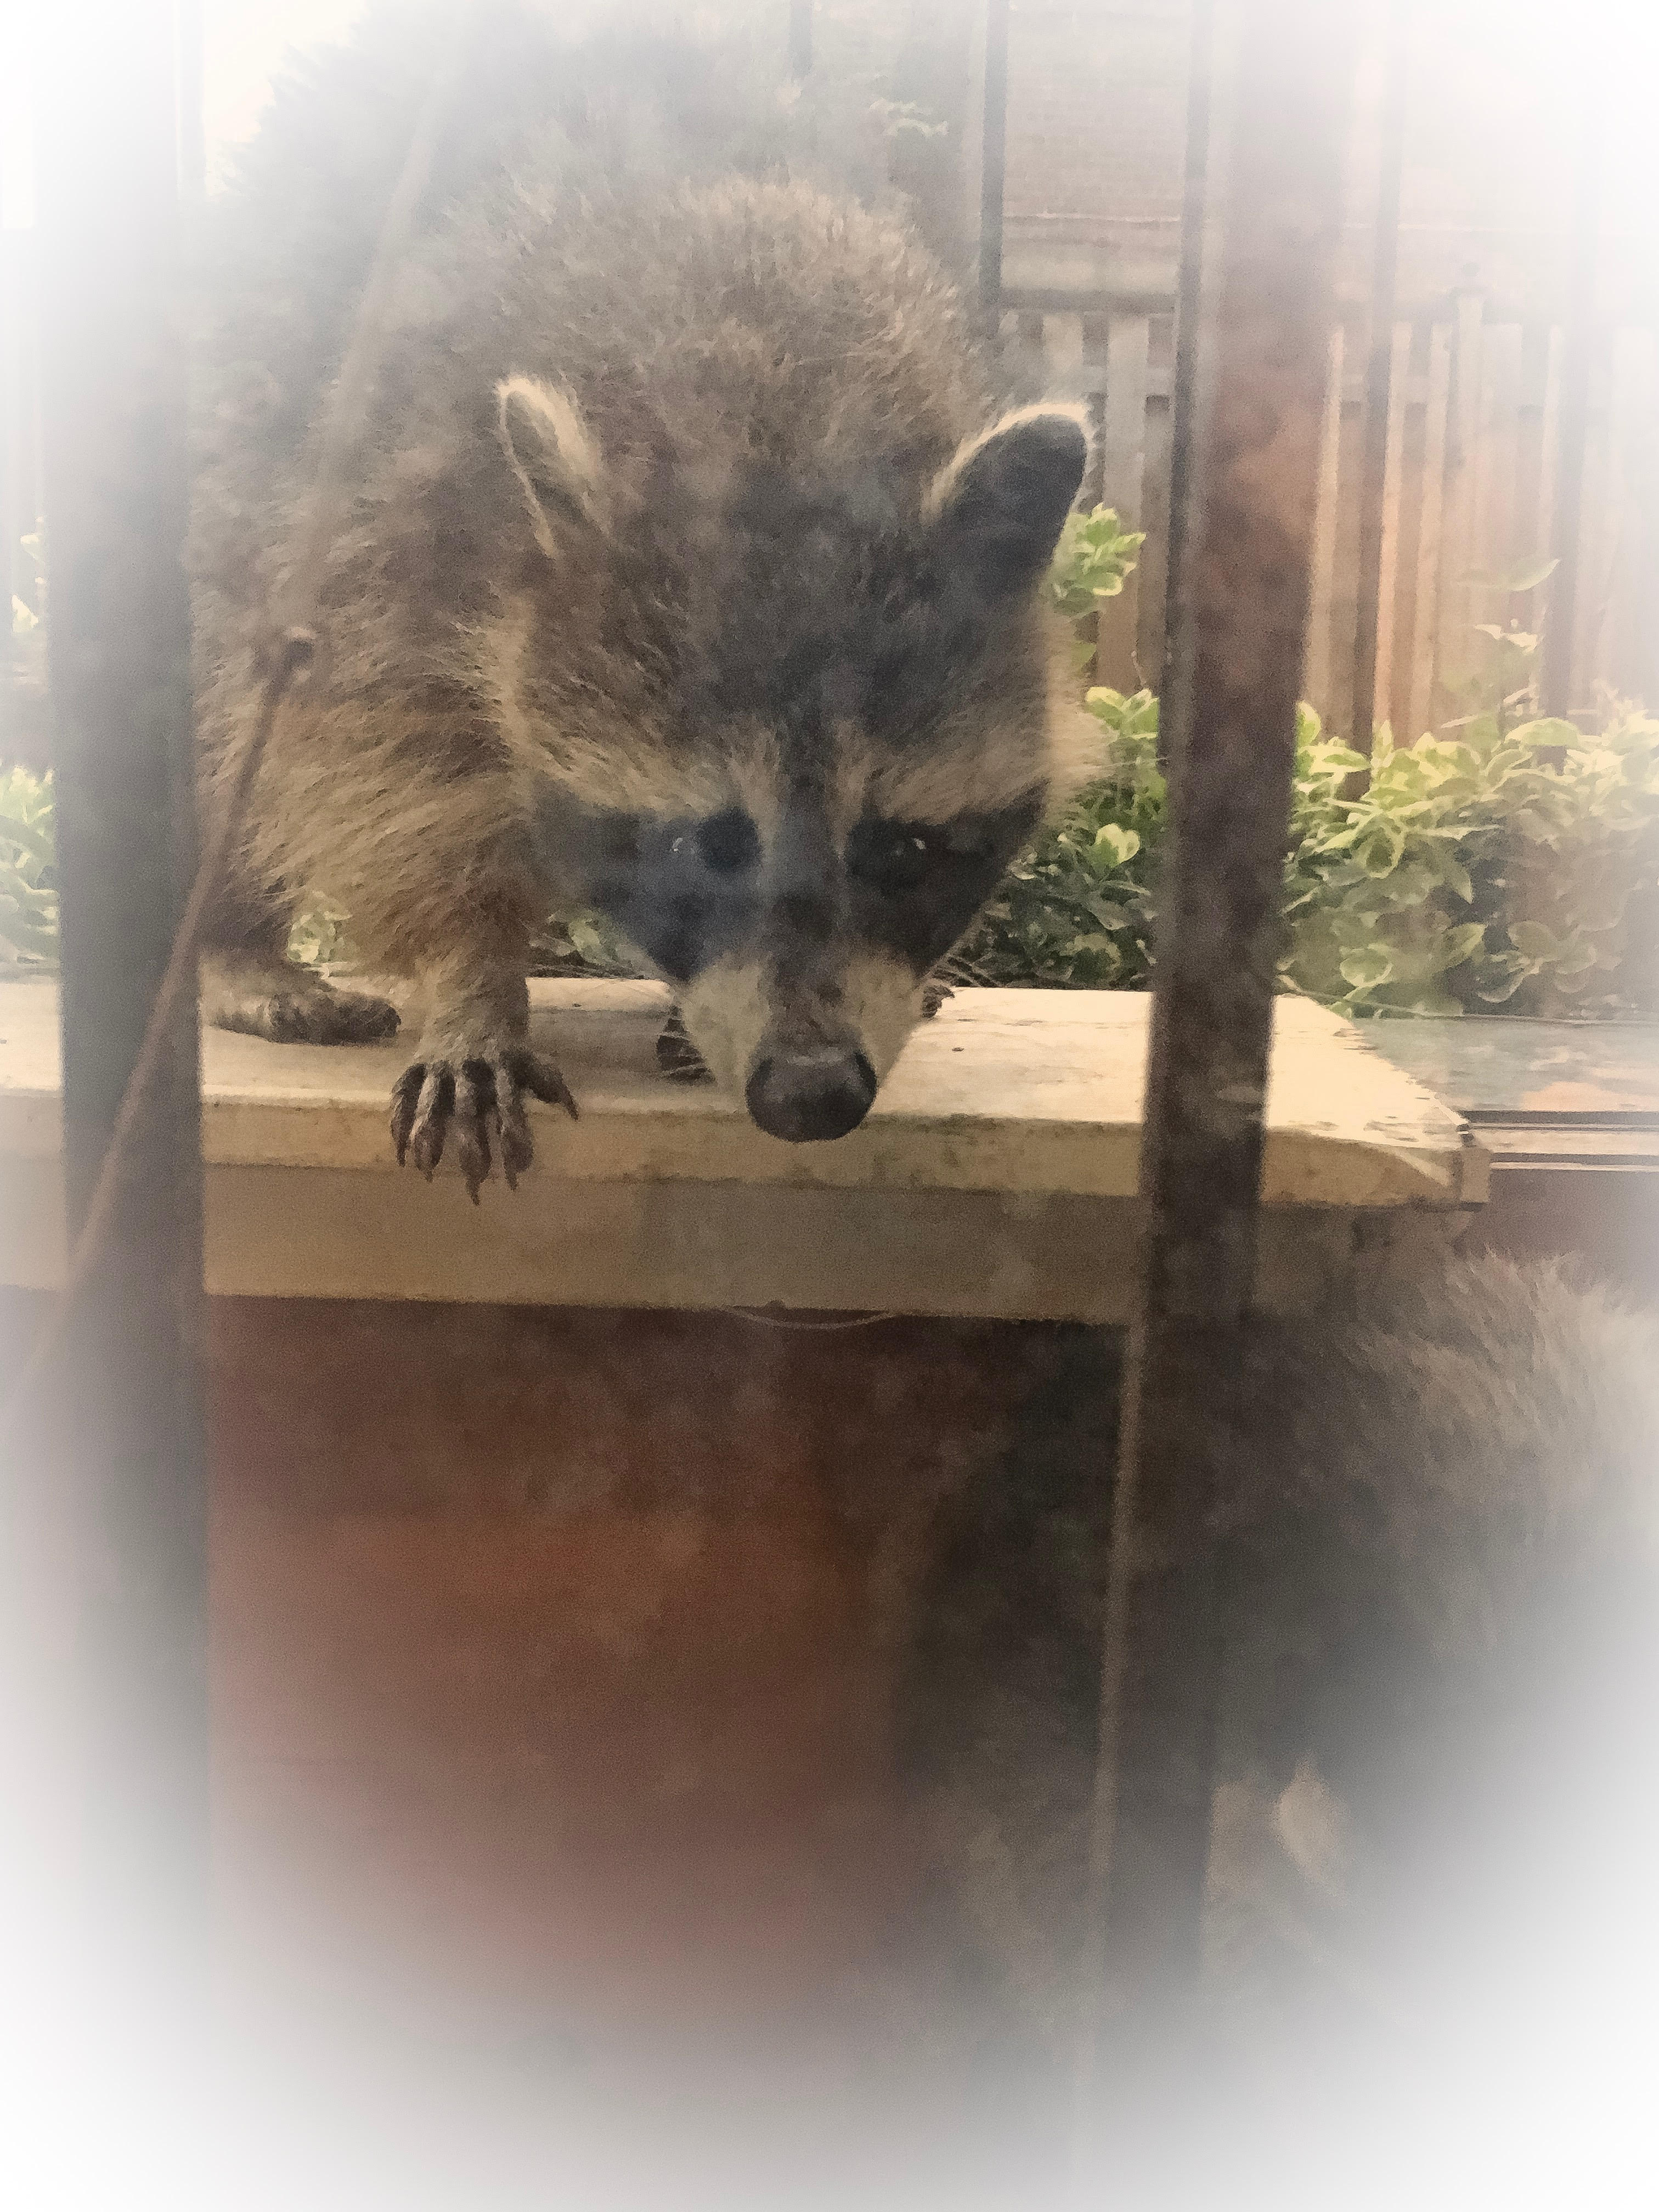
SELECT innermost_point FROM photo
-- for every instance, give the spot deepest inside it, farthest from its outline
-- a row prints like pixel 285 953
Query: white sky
pixel 243 42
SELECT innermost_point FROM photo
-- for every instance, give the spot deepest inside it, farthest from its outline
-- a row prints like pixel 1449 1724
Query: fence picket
pixel 1457 546
pixel 1123 479
pixel 1495 547
pixel 1062 356
pixel 1614 565
pixel 1399 365
pixel 1128 346
pixel 1316 666
pixel 1425 598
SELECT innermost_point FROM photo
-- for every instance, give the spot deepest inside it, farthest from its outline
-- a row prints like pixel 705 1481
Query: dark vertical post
pixel 800 38
pixel 1560 622
pixel 1384 263
pixel 1183 398
pixel 126 1388
pixel 993 158
pixel 1218 941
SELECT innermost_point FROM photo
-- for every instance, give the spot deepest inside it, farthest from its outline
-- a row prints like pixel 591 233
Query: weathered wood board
pixel 1566 1094
pixel 995 1176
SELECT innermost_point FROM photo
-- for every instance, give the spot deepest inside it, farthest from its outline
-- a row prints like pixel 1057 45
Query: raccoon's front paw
pixel 284 1005
pixel 482 1103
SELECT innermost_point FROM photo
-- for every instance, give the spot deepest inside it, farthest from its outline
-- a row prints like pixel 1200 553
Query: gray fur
pixel 1439 1800
pixel 676 508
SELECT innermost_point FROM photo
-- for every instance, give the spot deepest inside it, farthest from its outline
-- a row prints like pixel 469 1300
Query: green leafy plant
pixel 1505 683
pixel 1077 908
pixel 1093 561
pixel 907 118
pixel 23 698
pixel 1482 870
pixel 580 944
pixel 28 885
pixel 1509 861
pixel 319 938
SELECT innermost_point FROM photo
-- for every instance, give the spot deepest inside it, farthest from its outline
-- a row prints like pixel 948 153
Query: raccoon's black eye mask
pixel 728 841
pixel 688 891
pixel 684 891
pixel 913 887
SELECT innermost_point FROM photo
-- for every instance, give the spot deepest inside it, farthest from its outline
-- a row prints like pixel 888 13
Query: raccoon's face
pixel 798 943
pixel 845 745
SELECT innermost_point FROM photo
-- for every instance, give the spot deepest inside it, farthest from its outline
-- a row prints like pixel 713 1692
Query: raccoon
pixel 1431 1874
pixel 690 574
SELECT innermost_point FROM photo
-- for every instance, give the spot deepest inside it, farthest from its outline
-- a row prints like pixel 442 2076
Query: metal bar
pixel 1232 749
pixel 993 159
pixel 800 38
pixel 1183 394
pixel 1578 344
pixel 1385 261
pixel 128 1399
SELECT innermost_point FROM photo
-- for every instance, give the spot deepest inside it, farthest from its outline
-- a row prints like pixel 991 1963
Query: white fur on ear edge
pixel 962 460
pixel 553 455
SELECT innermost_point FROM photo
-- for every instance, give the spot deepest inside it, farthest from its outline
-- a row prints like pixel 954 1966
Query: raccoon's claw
pixel 933 995
pixel 483 1102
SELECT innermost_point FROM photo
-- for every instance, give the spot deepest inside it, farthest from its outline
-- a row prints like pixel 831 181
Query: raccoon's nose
pixel 806 1097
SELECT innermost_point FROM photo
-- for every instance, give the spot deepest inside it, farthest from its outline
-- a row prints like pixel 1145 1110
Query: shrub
pixel 1077 908
pixel 29 887
pixel 1092 562
pixel 23 715
pixel 1479 870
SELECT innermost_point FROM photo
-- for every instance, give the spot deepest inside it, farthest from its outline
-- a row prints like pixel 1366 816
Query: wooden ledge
pixel 996 1173
pixel 1577 1096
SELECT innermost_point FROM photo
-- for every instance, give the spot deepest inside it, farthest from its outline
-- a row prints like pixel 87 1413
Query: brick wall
pixel 1096 110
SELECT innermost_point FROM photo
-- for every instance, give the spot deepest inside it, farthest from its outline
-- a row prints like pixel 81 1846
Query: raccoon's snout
pixel 808 1097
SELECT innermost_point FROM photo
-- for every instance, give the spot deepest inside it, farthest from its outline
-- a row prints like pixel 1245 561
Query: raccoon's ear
pixel 1001 503
pixel 558 465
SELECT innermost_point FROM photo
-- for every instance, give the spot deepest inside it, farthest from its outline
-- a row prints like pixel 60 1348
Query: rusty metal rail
pixel 127 1391
pixel 128 1327
pixel 1250 532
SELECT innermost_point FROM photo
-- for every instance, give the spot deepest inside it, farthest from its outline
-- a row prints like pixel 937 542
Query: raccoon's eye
pixel 728 841
pixel 894 856
pixel 619 838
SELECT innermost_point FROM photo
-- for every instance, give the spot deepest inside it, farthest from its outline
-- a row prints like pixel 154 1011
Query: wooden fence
pixel 1469 494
